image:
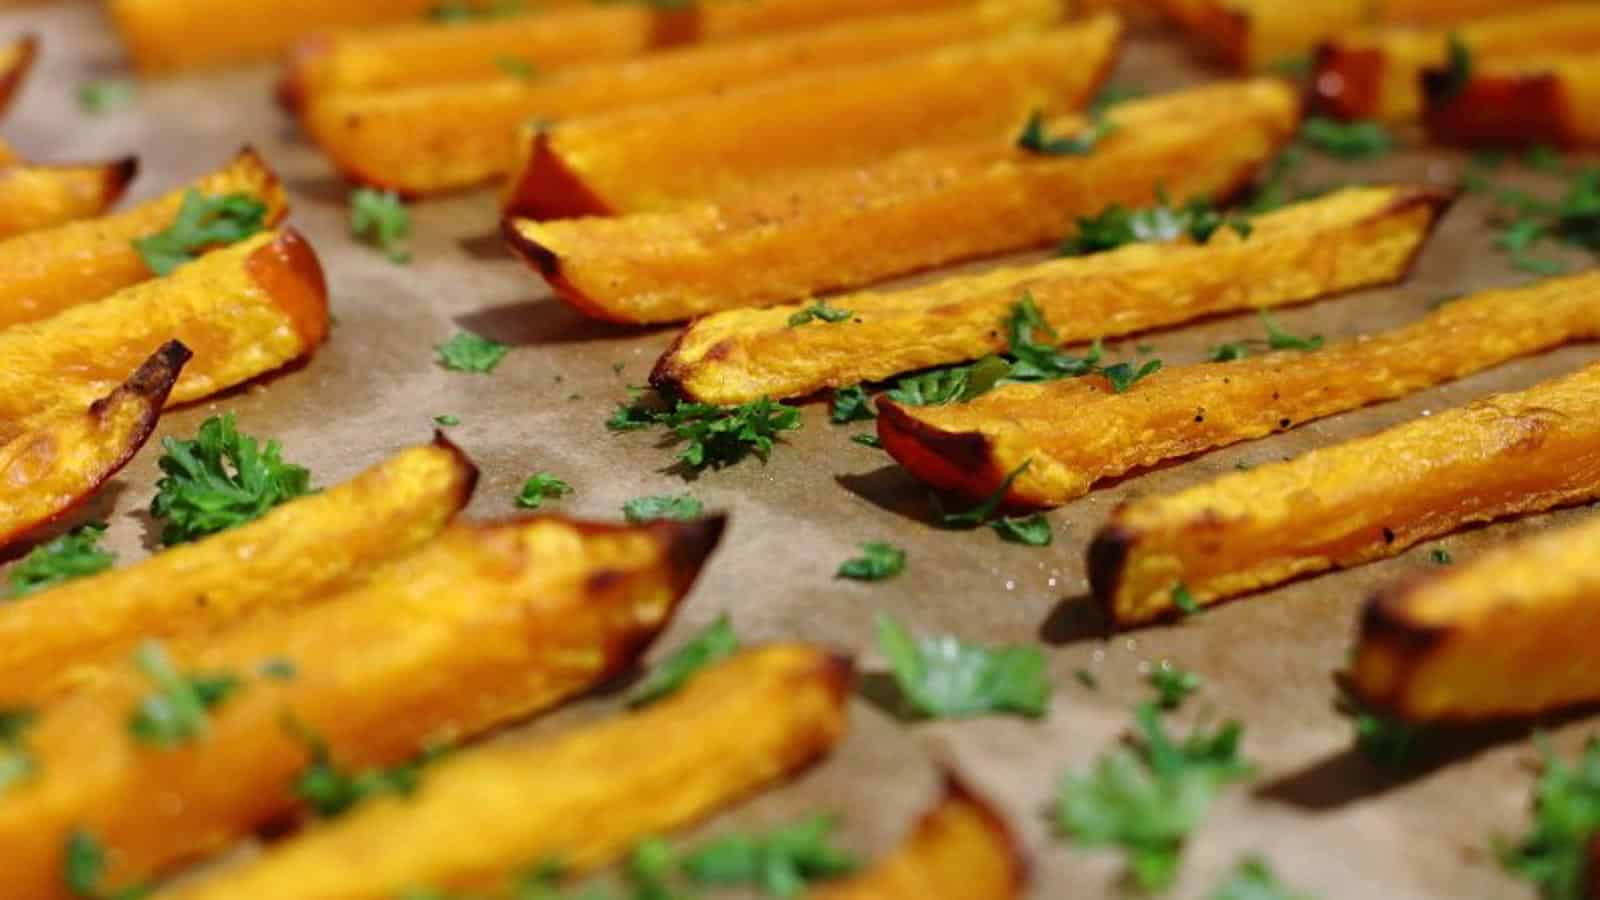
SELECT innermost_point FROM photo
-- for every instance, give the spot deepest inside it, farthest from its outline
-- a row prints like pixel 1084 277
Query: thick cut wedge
pixel 298 555
pixel 583 798
pixel 1352 503
pixel 428 139
pixel 47 471
pixel 45 272
pixel 41 196
pixel 962 849
pixel 245 310
pixel 703 148
pixel 1076 433
pixel 427 54
pixel 483 626
pixel 16 61
pixel 1551 99
pixel 1350 239
pixel 1509 633
pixel 918 210
pixel 1376 73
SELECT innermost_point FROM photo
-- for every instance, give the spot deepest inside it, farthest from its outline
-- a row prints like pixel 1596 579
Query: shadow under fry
pixel 544 321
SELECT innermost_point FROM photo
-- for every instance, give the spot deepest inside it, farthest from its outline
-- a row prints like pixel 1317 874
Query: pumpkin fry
pixel 1551 98
pixel 45 272
pixel 582 798
pixel 962 849
pixel 516 616
pixel 16 61
pixel 1362 500
pixel 1375 73
pixel 700 148
pixel 49 470
pixel 297 555
pixel 921 209
pixel 244 310
pixel 1078 432
pixel 1506 634
pixel 582 33
pixel 1351 239
pixel 434 138
pixel 36 196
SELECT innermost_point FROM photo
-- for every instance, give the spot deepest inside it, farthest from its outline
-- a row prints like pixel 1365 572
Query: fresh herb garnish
pixel 540 487
pixel 1297 66
pixel 851 404
pixel 714 436
pixel 329 791
pixel 878 561
pixel 179 709
pixel 1441 556
pixel 1253 879
pixel 1351 141
pixel 16 763
pixel 1555 853
pixel 1123 376
pixel 781 863
pixel 820 311
pixel 1184 599
pixel 713 644
pixel 456 11
pixel 1114 95
pixel 468 352
pixel 105 95
pixel 1172 685
pixel 868 440
pixel 1034 139
pixel 1033 530
pixel 446 421
pixel 1277 339
pixel 1386 741
pixel 76 554
pixel 220 480
pixel 679 508
pixel 202 222
pixel 381 219
pixel 1117 226
pixel 84 868
pixel 951 384
pixel 944 677
pixel 1036 359
pixel 1448 83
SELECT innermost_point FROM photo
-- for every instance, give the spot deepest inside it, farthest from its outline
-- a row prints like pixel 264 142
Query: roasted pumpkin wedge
pixel 1351 503
pixel 702 148
pixel 1506 634
pixel 244 310
pixel 579 32
pixel 921 209
pixel 1376 73
pixel 34 196
pixel 962 849
pixel 56 466
pixel 584 797
pixel 1551 99
pixel 438 137
pixel 1073 434
pixel 16 61
pixel 45 272
pixel 298 555
pixel 513 617
pixel 1351 239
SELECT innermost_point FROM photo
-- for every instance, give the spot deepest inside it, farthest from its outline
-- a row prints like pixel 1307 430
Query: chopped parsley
pixel 781 863
pixel 1448 83
pixel 1441 556
pixel 1297 66
pixel 1040 360
pixel 446 421
pixel 820 311
pixel 1555 853
pixel 468 352
pixel 457 11
pixel 1123 376
pixel 1033 530
pixel 951 384
pixel 878 561
pixel 1034 139
pixel 944 677
pixel 714 436
pixel 105 95
pixel 1184 599
pixel 84 868
pixel 715 643
pixel 220 480
pixel 1277 339
pixel 868 440
pixel 1117 226
pixel 202 222
pixel 1172 686
pixel 540 487
pixel 851 404
pixel 380 218
pixel 330 792
pixel 1114 95
pixel 16 763
pixel 76 554
pixel 1385 741
pixel 1351 141
pixel 1253 879
pixel 675 507
pixel 178 711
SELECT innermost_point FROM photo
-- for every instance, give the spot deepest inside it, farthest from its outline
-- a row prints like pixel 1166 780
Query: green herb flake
pixel 946 678
pixel 1034 139
pixel 329 791
pixel 1385 741
pixel 1184 600
pixel 983 512
pixel 714 436
pixel 677 508
pixel 177 712
pixel 16 763
pixel 84 868
pixel 851 404
pixel 712 645
pixel 1172 685
pixel 105 95
pixel 468 352
pixel 1033 530
pixel 446 421
pixel 820 311
pixel 202 223
pixel 781 863
pixel 76 554
pixel 452 12
pixel 878 561
pixel 1087 679
pixel 1448 83
pixel 540 487
pixel 1117 226
pixel 1352 141
pixel 1555 853
pixel 1253 879
pixel 381 219
pixel 220 480
pixel 867 440
pixel 1441 556
pixel 951 384
pixel 1277 339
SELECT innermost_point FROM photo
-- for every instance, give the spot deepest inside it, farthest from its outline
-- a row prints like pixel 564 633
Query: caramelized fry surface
pixel 40 196
pixel 1554 99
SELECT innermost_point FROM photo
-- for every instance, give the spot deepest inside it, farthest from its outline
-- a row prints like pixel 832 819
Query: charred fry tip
pixel 536 254
pixel 956 789
pixel 1107 560
pixel 961 462
pixel 1345 80
pixel 151 382
pixel 1509 108
pixel 469 469
pixel 665 374
pixel 118 175
pixel 27 48
pixel 838 672
pixel 291 274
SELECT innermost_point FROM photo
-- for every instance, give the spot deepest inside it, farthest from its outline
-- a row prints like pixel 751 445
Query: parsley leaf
pixel 983 512
pixel 178 710
pixel 220 480
pixel 1123 376
pixel 781 862
pixel 380 218
pixel 715 436
pixel 713 644
pixel 1253 879
pixel 1113 95
pixel 1117 226
pixel 1039 360
pixel 1172 686
pixel 202 222
pixel 851 404
pixel 1184 599
pixel 1277 187
pixel 878 561
pixel 1448 83
pixel 1554 855
pixel 951 384
pixel 1034 530
pixel 104 95
pixel 1034 139
pixel 943 677
pixel 1351 141
pixel 330 792
pixel 679 508
pixel 84 867
pixel 1441 556
pixel 1277 339
pixel 16 763
pixel 820 311
pixel 468 352
pixel 541 487
pixel 447 421
pixel 1147 798
pixel 867 440
pixel 457 11
pixel 75 554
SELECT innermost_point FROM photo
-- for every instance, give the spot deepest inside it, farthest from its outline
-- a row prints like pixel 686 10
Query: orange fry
pixel 41 196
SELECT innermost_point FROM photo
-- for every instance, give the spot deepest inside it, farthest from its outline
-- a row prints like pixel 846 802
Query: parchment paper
pixel 1327 821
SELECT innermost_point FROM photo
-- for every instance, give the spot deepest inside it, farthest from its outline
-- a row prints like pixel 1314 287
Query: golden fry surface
pixel 1354 238
pixel 583 798
pixel 49 470
pixel 696 149
pixel 1079 432
pixel 300 554
pixel 513 618
pixel 244 310
pixel 45 272
pixel 1354 502
pixel 427 139
pixel 43 196
pixel 1554 99
pixel 1509 633
pixel 919 210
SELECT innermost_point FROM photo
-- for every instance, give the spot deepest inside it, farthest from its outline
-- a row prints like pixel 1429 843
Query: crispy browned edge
pixel 153 381
pixel 1386 622
pixel 548 264
pixel 546 189
pixel 1359 74
pixel 469 484
pixel 957 788
pixel 1506 108
pixel 13 80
